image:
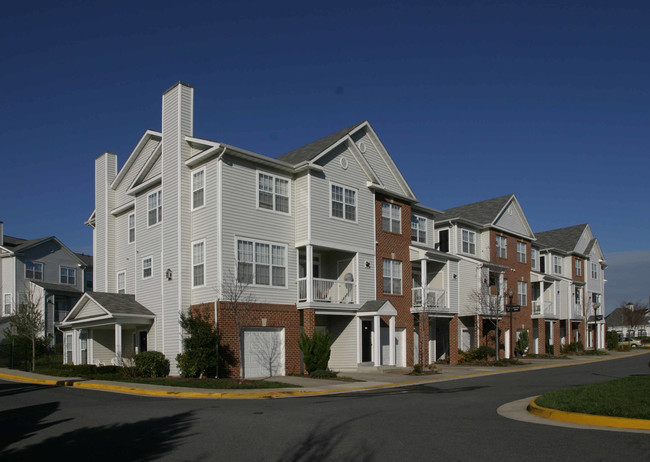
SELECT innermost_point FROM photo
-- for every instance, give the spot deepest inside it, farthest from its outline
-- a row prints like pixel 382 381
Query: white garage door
pixel 263 352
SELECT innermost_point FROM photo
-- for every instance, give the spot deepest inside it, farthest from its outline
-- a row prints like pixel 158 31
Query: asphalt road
pixel 454 420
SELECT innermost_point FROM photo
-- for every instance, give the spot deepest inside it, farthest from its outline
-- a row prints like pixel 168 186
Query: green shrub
pixel 151 364
pixel 479 354
pixel 611 340
pixel 200 356
pixel 417 368
pixel 323 374
pixel 624 347
pixel 573 347
pixel 521 347
pixel 315 350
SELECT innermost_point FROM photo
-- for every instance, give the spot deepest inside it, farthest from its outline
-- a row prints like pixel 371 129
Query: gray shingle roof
pixel 484 212
pixel 51 287
pixel 312 150
pixel 87 259
pixel 372 305
pixel 16 244
pixel 119 303
pixel 565 239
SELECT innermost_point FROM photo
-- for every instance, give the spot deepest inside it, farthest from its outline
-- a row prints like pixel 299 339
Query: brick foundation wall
pixel 395 246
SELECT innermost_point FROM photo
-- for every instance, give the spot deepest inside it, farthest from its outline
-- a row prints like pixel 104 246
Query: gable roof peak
pixel 482 212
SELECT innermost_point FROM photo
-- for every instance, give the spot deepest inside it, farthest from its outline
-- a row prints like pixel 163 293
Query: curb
pixel 587 419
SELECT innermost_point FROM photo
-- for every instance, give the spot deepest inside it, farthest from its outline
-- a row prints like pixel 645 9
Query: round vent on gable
pixel 344 163
pixel 362 146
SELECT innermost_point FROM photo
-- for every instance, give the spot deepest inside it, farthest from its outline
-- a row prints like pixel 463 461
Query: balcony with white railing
pixel 576 311
pixel 543 309
pixel 328 291
pixel 430 300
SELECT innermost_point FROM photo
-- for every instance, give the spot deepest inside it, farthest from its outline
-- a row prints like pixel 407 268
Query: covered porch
pixel 327 277
pixel 543 297
pixel 431 274
pixel 105 329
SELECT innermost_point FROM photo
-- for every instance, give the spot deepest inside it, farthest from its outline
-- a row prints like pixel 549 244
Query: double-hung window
pixel 154 207
pixel 594 271
pixel 131 227
pixel 502 249
pixel 147 267
pixel 68 275
pixel 261 263
pixel 198 264
pixel 391 217
pixel 392 276
pixel 198 189
pixel 343 202
pixel 469 241
pixel 121 282
pixel 521 252
pixel 578 266
pixel 522 293
pixel 273 192
pixel 533 259
pixel 7 305
pixel 418 229
pixel 557 264
pixel 34 270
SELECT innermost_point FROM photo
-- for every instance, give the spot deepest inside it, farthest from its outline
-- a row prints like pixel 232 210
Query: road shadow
pixel 23 422
pixel 420 389
pixel 325 443
pixel 145 440
pixel 10 388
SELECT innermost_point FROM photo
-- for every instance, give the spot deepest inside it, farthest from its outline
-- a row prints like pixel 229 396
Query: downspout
pixel 216 329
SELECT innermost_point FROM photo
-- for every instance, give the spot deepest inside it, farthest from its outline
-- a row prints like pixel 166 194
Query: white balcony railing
pixel 328 291
pixel 576 311
pixel 545 309
pixel 434 299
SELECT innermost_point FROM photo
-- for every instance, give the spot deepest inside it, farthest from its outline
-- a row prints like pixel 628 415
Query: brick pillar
pixel 556 338
pixel 453 340
pixel 582 332
pixel 424 340
pixel 309 321
pixel 541 335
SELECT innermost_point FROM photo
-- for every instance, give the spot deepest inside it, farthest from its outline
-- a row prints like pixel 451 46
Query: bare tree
pixel 27 322
pixel 488 301
pixel 240 302
pixel 635 315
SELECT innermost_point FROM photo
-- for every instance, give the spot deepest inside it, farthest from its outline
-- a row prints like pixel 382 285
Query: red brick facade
pixel 395 246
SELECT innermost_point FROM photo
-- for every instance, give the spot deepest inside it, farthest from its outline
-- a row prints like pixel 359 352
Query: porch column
pixel 76 354
pixel 425 284
pixel 377 339
pixel 391 341
pixel 541 298
pixel 309 272
pixel 500 297
pixel 359 342
pixel 118 344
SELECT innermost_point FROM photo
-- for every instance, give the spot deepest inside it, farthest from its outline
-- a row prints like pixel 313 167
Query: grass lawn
pixel 626 397
pixel 112 374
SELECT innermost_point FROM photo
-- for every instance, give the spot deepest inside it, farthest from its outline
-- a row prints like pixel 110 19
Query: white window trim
pixel 194 173
pixel 270 243
pixel 422 221
pixel 129 227
pixel 4 303
pixel 391 208
pixel 150 257
pixel 577 265
pixel 534 261
pixel 556 266
pixel 469 244
pixel 504 247
pixel 117 281
pixel 356 205
pixel 392 277
pixel 274 177
pixel 523 258
pixel 524 292
pixel 158 208
pixel 202 242
pixel 42 270
pixel 594 271
pixel 68 277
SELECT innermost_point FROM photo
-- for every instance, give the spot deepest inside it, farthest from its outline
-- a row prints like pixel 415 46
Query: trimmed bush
pixel 315 350
pixel 521 347
pixel 151 364
pixel 611 340
pixel 200 356
pixel 573 347
pixel 323 374
pixel 417 368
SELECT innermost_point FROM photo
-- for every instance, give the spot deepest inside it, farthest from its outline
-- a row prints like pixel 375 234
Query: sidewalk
pixel 397 377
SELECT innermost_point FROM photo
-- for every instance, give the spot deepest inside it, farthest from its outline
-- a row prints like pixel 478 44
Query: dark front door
pixel 366 341
pixel 143 341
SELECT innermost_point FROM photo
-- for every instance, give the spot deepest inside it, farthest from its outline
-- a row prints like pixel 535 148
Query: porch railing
pixel 543 309
pixel 328 291
pixel 431 299
pixel 576 311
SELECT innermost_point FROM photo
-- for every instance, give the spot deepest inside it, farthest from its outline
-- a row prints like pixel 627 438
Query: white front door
pixel 400 351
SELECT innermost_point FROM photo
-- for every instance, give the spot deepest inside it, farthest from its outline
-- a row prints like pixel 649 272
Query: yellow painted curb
pixel 20 378
pixel 587 419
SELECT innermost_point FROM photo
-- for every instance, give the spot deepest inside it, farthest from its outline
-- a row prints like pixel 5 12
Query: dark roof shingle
pixel 565 239
pixel 119 303
pixel 483 212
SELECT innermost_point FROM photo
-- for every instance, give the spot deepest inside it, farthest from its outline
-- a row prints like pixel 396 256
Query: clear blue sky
pixel 549 100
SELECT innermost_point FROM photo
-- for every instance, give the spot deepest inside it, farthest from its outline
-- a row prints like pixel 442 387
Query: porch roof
pixel 380 307
pixel 101 308
pixel 51 287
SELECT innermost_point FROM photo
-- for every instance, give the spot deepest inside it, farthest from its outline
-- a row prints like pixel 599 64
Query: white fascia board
pixel 383 190
pixel 258 158
pixel 365 166
pixel 91 219
pixel 205 155
pixel 146 185
pixel 94 320
pixel 146 168
pixel 123 208
pixel 149 134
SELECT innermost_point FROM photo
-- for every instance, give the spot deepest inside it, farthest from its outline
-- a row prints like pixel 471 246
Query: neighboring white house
pixel 43 271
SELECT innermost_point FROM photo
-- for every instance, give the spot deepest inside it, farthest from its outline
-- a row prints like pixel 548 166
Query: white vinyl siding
pixel 34 270
pixel 121 282
pixel 391 217
pixel 6 310
pixel 418 229
pixel 343 203
pixel 131 227
pixel 502 249
pixel 198 264
pixel 68 275
pixel 521 252
pixel 522 293
pixel 273 192
pixel 154 208
pixel 469 242
pixel 261 263
pixel 198 189
pixel 392 276
pixel 147 267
